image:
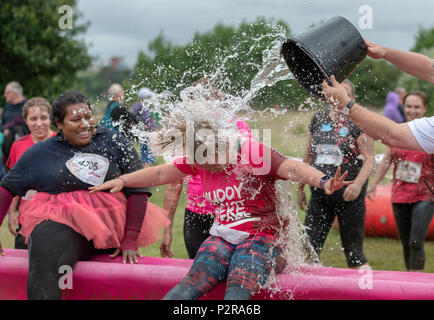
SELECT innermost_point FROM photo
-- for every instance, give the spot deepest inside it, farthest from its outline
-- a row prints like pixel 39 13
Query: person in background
pixel 417 134
pixel 391 109
pixel 12 123
pixel 36 115
pixel 412 200
pixel 142 112
pixel 335 142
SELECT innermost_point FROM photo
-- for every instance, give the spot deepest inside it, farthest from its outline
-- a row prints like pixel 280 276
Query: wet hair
pixel 62 102
pixel 419 94
pixel 37 102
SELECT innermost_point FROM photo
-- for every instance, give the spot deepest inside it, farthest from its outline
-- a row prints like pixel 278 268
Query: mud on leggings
pixel 196 230
pixel 320 214
pixel 247 266
pixel 52 245
pixel 413 220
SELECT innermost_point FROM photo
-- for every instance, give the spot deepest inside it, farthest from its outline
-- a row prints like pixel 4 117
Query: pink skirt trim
pixel 99 216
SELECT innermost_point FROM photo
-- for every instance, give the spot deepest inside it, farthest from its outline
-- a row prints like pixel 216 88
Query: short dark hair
pixel 65 100
pixel 38 102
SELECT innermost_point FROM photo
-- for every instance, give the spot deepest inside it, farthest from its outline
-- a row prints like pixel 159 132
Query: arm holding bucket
pixel 413 63
pixel 373 124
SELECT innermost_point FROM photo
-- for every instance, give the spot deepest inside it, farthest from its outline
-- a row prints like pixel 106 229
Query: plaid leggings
pixel 246 266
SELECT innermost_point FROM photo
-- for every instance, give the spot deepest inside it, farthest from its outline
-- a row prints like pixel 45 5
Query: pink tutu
pixel 99 216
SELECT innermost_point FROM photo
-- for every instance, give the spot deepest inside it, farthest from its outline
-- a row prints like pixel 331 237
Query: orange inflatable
pixel 380 221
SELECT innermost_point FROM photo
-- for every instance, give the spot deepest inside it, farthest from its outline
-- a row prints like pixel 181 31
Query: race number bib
pixel 88 167
pixel 408 171
pixel 328 154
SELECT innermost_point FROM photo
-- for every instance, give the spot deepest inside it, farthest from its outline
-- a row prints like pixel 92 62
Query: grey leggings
pixel 413 220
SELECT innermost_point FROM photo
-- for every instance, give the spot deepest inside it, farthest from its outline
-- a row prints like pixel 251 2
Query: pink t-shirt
pixel 195 199
pixel 244 194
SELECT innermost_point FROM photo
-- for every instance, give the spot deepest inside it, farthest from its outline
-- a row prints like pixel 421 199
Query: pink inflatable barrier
pixel 105 278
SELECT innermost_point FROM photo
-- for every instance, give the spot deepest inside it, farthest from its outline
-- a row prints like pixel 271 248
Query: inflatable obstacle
pixel 104 278
pixel 379 221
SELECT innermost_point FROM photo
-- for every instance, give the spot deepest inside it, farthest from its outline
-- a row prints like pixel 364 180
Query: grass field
pixel 288 135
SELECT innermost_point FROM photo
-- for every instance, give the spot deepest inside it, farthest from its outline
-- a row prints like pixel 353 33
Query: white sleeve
pixel 423 131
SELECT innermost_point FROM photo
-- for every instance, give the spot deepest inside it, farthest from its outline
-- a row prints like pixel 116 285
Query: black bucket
pixel 334 47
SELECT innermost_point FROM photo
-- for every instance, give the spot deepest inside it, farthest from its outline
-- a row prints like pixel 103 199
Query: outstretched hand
pixel 114 185
pixel 336 182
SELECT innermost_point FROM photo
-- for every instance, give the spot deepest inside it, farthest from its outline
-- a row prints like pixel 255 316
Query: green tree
pixel 35 51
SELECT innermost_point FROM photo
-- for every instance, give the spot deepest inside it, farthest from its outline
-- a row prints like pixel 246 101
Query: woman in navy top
pixel 63 223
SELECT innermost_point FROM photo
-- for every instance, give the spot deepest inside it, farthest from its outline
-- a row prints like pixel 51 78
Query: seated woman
pixel 63 223
pixel 241 246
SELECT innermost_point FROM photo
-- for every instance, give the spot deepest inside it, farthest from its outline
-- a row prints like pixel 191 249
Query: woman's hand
pixel 301 199
pixel 114 185
pixel 371 191
pixel 336 182
pixel 352 192
pixel 375 51
pixel 1 250
pixel 130 255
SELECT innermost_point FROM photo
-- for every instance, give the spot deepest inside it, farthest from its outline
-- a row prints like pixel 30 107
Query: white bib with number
pixel 88 167
pixel 328 154
pixel 408 171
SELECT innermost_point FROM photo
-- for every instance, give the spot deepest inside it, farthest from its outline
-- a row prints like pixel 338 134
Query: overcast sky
pixel 123 27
